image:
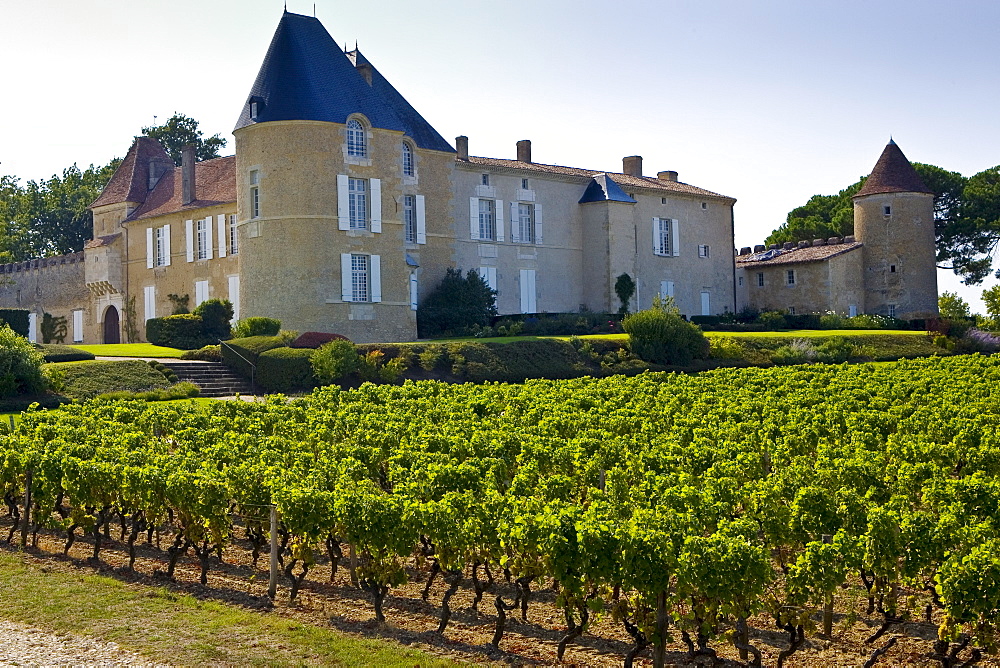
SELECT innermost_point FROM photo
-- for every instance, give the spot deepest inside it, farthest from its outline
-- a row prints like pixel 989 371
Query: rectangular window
pixel 202 239
pixel 489 275
pixel 524 184
pixel 526 223
pixel 200 292
pixel 741 281
pixel 254 194
pixel 790 277
pixel 78 326
pixel 486 179
pixel 852 311
pixel 703 250
pixel 706 303
pixel 892 310
pixel 887 210
pixel 791 310
pixel 357 192
pixel 234 246
pixel 760 279
pixel 359 278
pixel 161 246
pixel 664 237
pixel 410 218
pixel 487 219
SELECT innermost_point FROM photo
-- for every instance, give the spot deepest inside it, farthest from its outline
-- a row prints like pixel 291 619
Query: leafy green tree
pixel 457 303
pixel 625 289
pixel 215 315
pixel 180 130
pixel 970 242
pixel 952 306
pixel 991 298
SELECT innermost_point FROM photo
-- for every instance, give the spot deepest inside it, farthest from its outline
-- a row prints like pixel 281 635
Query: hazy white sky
pixel 769 102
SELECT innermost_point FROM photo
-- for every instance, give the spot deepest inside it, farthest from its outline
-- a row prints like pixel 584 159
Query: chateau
pixel 342 207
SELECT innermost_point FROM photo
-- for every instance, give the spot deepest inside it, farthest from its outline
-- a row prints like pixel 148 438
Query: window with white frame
pixel 524 184
pixel 357 141
pixel 234 244
pixel 791 310
pixel 408 164
pixel 160 236
pixel 486 179
pixel 892 310
pixel 703 250
pixel 760 279
pixel 663 236
pixel 410 218
pixel 254 194
pixel 526 222
pixel 357 192
pixel 790 277
pixel 487 219
pixel 203 242
pixel 359 278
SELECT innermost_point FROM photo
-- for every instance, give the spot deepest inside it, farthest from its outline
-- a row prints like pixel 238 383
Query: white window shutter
pixel 421 221
pixel 166 245
pixel 77 326
pixel 491 277
pixel 149 299
pixel 413 291
pixel 189 224
pixel 656 237
pixel 375 266
pixel 474 217
pixel 500 218
pixel 208 237
pixel 150 251
pixel 343 203
pixel 222 234
pixel 346 293
pixel 538 223
pixel 234 296
pixel 515 222
pixel 670 288
pixel 676 236
pixel 375 187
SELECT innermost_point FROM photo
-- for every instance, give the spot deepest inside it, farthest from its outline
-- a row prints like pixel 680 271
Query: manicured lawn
pixel 168 626
pixel 130 350
pixel 793 333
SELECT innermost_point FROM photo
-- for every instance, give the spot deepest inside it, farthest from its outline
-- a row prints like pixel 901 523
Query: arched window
pixel 357 144
pixel 408 164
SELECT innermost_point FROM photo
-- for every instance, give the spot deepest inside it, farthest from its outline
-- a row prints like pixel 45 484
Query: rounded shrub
pixel 661 337
pixel 335 360
pixel 256 327
pixel 215 315
pixel 20 365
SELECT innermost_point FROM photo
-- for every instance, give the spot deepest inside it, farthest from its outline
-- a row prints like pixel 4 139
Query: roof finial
pixel 314 10
pixel 892 142
pixel 355 45
pixel 286 6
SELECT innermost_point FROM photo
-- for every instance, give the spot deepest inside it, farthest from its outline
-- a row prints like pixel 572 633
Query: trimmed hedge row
pixel 16 319
pixel 286 369
pixel 184 331
pixel 239 354
pixel 55 352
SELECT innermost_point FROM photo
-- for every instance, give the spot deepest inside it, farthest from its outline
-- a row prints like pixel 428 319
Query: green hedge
pixel 182 331
pixel 55 352
pixel 238 354
pixel 285 369
pixel 86 380
pixel 16 318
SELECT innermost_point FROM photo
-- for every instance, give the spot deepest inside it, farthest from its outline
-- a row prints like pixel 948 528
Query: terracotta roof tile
pixel 893 173
pixel 130 182
pixel 624 180
pixel 106 240
pixel 215 183
pixel 796 255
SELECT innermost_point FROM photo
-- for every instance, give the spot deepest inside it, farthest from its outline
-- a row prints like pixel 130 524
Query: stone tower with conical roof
pixel 894 220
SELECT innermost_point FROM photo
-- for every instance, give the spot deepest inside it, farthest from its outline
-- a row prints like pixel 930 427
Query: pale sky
pixel 768 102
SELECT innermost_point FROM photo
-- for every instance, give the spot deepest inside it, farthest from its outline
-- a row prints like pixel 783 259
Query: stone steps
pixel 214 379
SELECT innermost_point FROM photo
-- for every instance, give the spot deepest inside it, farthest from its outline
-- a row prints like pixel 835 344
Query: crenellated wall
pixel 54 285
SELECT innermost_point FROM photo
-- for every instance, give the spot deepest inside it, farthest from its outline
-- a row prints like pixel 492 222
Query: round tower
pixel 894 220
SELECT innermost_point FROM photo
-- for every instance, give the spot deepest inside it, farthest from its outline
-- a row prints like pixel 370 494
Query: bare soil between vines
pixel 412 622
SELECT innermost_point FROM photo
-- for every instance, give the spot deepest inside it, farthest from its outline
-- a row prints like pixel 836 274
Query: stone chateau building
pixel 342 207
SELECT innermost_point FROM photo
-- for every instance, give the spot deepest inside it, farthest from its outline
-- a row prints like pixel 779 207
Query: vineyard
pixel 697 509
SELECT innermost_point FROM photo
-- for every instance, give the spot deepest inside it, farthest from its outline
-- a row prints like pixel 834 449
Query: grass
pixel 180 629
pixel 130 350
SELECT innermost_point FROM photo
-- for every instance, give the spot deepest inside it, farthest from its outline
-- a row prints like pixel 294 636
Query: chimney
pixel 524 150
pixel 632 165
pixel 365 69
pixel 462 144
pixel 187 173
pixel 668 175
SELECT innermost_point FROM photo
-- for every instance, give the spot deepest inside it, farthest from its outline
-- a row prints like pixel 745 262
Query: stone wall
pixel 53 285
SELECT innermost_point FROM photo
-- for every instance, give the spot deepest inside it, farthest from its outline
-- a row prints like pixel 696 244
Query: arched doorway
pixel 112 326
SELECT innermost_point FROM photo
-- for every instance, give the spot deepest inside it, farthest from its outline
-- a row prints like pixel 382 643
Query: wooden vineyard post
pixel 828 605
pixel 27 509
pixel 272 579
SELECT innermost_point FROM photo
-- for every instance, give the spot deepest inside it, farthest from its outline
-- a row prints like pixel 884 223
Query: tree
pixel 951 306
pixel 991 298
pixel 457 303
pixel 625 289
pixel 180 130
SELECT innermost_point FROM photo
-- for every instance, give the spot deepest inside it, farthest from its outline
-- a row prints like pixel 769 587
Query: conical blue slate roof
pixel 604 189
pixel 415 126
pixel 306 76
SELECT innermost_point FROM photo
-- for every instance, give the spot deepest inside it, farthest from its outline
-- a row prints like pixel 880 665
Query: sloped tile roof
pixel 130 182
pixel 602 188
pixel 106 240
pixel 306 76
pixel 797 255
pixel 893 173
pixel 215 183
pixel 623 180
pixel 415 126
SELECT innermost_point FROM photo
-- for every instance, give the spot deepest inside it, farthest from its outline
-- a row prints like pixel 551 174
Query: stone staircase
pixel 214 379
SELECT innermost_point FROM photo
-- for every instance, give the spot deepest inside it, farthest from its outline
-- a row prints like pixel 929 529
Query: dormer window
pixel 357 142
pixel 253 110
pixel 256 104
pixel 408 163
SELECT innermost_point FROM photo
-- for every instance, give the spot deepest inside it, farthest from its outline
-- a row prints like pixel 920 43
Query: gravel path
pixel 22 645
